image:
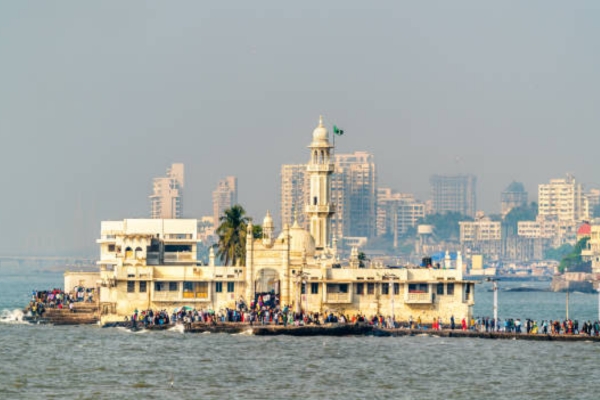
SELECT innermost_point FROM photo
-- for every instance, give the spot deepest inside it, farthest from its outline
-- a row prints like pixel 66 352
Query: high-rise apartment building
pixel 455 193
pixel 397 212
pixel 480 230
pixel 593 196
pixel 294 194
pixel 166 201
pixel 563 199
pixel 384 196
pixel 356 176
pixel 353 195
pixel 513 196
pixel 224 196
pixel 482 236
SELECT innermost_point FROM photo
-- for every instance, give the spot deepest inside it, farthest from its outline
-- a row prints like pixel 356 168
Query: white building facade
pixel 153 264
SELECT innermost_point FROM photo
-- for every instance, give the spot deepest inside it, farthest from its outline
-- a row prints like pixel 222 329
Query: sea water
pixel 89 362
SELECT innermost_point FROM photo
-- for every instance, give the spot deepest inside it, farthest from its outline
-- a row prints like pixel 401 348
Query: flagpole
pixel 333 136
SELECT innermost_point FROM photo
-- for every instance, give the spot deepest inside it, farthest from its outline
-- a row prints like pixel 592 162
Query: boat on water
pixel 523 289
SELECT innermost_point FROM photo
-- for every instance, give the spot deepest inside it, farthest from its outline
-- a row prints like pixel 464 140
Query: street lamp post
pixel 392 303
pixel 567 298
pixel 495 289
pixel 305 296
pixel 298 289
pixel 301 279
pixel 391 294
pixel 598 301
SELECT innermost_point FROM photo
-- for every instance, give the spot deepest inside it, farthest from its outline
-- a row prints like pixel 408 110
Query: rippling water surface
pixel 88 362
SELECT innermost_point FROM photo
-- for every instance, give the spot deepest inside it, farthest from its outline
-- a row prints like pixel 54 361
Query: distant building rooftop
pixel 584 230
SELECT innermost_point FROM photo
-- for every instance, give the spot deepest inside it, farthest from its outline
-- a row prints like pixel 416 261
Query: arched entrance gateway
pixel 267 287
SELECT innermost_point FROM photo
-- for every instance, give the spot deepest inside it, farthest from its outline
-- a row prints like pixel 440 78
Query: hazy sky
pixel 97 98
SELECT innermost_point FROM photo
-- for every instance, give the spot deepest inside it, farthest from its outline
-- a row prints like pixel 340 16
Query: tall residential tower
pixel 166 201
pixel 564 200
pixel 455 193
pixel 224 196
pixel 294 194
pixel 354 190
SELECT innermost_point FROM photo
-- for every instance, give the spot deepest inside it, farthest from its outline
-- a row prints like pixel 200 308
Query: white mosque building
pixel 153 264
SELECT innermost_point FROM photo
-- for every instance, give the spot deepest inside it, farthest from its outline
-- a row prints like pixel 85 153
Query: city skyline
pixel 98 98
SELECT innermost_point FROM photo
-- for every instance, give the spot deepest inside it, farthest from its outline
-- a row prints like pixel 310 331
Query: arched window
pixel 267 281
pixel 139 253
pixel 128 252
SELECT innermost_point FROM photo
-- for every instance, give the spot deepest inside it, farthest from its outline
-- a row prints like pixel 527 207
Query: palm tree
pixel 362 257
pixel 232 235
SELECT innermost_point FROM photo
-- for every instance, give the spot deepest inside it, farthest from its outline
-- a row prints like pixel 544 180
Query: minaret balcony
pixel 320 168
pixel 322 209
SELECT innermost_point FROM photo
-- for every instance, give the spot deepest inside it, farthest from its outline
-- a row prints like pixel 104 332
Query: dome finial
pixel 320 133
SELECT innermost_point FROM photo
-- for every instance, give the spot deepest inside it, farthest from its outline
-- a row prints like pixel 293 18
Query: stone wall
pixel 85 279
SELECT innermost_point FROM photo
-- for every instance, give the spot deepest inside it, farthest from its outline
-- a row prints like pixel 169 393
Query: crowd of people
pixel 270 313
pixel 512 325
pixel 530 326
pixel 57 298
pixel 266 310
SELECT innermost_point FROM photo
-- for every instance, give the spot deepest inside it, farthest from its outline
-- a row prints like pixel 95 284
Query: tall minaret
pixel 319 168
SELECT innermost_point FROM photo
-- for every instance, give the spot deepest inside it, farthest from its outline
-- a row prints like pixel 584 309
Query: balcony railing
pixel 319 208
pixel 174 257
pixel 418 298
pixel 192 295
pixel 320 167
pixel 165 296
pixel 338 298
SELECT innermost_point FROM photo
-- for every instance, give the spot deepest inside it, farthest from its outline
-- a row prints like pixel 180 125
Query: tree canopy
pixel 446 225
pixel 523 213
pixel 558 253
pixel 573 260
pixel 232 235
pixel 257 231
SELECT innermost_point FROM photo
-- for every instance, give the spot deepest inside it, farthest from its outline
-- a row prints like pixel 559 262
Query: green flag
pixel 338 131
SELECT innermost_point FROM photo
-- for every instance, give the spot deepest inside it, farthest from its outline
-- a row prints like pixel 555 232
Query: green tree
pixel 446 225
pixel 523 213
pixel 573 260
pixel 257 231
pixel 558 253
pixel 232 235
pixel 362 257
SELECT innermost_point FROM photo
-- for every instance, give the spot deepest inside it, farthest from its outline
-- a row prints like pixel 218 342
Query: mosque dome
pixel 320 133
pixel 300 240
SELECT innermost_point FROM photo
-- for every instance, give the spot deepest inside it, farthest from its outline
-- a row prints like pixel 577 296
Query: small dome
pixel 320 133
pixel 584 230
pixel 300 240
